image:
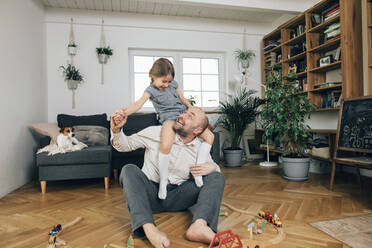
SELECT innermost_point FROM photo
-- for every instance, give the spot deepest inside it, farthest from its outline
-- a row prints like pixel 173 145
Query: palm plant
pixel 238 113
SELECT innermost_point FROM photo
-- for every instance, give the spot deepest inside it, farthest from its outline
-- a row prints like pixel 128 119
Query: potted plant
pixel 72 76
pixel 103 54
pixel 235 115
pixel 71 48
pixel 244 56
pixel 283 119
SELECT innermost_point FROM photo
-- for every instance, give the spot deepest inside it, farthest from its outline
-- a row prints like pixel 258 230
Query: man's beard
pixel 180 131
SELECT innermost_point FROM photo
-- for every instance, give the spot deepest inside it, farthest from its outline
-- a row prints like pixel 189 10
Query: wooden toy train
pixel 275 220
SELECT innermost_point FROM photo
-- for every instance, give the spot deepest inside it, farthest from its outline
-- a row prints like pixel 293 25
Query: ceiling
pixel 266 11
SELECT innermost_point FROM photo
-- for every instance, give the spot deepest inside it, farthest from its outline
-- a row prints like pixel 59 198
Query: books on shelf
pixel 330 99
pixel 272 45
pixel 323 85
pixel 300 29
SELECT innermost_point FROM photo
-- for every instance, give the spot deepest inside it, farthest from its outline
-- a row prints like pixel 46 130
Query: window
pixel 199 75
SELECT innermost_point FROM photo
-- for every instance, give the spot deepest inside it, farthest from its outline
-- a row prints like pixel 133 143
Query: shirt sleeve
pixel 149 90
pixel 174 84
pixel 123 143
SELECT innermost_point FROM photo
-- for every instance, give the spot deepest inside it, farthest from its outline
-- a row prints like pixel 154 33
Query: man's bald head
pixel 191 123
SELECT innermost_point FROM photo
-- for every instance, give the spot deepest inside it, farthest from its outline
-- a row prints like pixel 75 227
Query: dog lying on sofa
pixel 66 142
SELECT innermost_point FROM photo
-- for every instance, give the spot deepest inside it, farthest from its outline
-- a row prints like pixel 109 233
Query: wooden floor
pixel 26 215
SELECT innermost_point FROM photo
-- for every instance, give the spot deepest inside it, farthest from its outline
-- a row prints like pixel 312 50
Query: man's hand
pixel 202 169
pixel 118 120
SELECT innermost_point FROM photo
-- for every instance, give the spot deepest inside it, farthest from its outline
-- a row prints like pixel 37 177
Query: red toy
pixel 226 239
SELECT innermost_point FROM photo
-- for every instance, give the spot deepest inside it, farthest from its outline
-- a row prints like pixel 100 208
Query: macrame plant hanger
pixel 244 69
pixel 102 45
pixel 72 41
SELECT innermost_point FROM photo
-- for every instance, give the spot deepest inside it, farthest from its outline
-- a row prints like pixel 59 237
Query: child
pixel 169 102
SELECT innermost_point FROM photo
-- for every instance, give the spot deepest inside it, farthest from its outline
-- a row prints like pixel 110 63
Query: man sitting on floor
pixel 141 186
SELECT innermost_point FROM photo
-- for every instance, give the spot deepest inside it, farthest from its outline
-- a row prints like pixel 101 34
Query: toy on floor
pixel 53 240
pixel 226 239
pixel 223 213
pixel 275 220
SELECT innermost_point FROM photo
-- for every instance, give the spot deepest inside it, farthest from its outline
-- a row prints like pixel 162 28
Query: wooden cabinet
pixel 323 46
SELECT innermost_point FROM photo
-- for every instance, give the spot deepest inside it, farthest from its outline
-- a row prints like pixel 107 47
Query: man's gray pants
pixel 141 195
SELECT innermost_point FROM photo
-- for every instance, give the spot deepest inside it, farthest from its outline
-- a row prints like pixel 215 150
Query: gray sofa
pixel 97 161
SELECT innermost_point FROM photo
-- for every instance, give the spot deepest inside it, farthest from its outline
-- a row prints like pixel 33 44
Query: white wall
pixel 124 31
pixel 23 88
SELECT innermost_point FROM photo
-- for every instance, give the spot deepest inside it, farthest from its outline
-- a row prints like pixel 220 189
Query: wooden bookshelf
pixel 367 29
pixel 318 41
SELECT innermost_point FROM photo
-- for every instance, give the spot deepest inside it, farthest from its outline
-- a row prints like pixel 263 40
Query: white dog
pixel 66 142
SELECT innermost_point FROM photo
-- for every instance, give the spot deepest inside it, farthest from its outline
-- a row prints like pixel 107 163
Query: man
pixel 141 186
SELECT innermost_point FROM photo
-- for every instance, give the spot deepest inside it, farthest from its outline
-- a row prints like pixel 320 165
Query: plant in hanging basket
pixel 72 76
pixel 244 56
pixel 71 47
pixel 103 54
pixel 104 50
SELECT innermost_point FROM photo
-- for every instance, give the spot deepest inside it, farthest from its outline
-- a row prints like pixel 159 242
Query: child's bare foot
pixel 199 231
pixel 157 239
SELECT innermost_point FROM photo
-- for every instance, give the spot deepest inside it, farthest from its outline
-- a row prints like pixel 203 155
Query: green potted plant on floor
pixel 103 54
pixel 235 115
pixel 283 119
pixel 72 76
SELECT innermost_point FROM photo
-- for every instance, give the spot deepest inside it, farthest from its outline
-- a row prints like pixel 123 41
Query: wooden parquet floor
pixel 26 216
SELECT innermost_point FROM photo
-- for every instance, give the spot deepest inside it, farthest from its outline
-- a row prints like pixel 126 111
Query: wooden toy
pixel 226 239
pixel 56 230
pixel 275 220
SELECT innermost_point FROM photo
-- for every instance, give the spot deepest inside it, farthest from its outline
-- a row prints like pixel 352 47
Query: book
pixel 323 85
pixel 333 33
pixel 332 27
pixel 332 15
pixel 332 11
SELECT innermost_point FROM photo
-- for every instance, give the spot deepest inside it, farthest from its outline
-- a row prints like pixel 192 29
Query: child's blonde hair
pixel 161 67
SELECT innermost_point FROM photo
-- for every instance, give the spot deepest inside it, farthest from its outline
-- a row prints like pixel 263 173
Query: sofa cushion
pixel 88 120
pixel 89 155
pixel 92 135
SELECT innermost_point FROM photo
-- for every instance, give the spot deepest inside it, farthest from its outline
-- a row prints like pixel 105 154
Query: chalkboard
pixel 355 132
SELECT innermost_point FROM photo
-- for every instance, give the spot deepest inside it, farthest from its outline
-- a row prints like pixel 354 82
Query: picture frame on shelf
pixel 326 60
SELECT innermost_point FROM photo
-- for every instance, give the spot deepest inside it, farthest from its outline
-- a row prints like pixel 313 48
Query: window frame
pixel 178 56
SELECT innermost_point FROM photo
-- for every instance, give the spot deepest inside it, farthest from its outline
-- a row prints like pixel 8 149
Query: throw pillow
pixel 46 129
pixel 91 135
pixel 86 120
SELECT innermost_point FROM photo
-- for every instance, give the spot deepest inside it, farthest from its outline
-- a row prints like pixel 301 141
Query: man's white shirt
pixel 181 155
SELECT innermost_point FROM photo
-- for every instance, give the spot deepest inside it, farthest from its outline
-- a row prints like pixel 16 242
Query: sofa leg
pixel 107 183
pixel 116 175
pixel 43 187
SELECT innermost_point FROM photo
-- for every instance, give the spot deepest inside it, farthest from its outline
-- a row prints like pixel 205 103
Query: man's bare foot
pixel 157 239
pixel 199 231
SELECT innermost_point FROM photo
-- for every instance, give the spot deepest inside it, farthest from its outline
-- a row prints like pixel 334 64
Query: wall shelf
pixel 330 45
pixel 298 39
pixel 333 87
pixel 296 57
pixel 329 67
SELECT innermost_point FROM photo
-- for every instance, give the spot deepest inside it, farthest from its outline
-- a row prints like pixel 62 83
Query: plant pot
pixel 102 58
pixel 71 50
pixel 245 64
pixel 72 84
pixel 233 158
pixel 296 169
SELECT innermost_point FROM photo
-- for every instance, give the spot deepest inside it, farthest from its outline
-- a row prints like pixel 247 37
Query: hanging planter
pixel 72 48
pixel 72 84
pixel 73 78
pixel 103 52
